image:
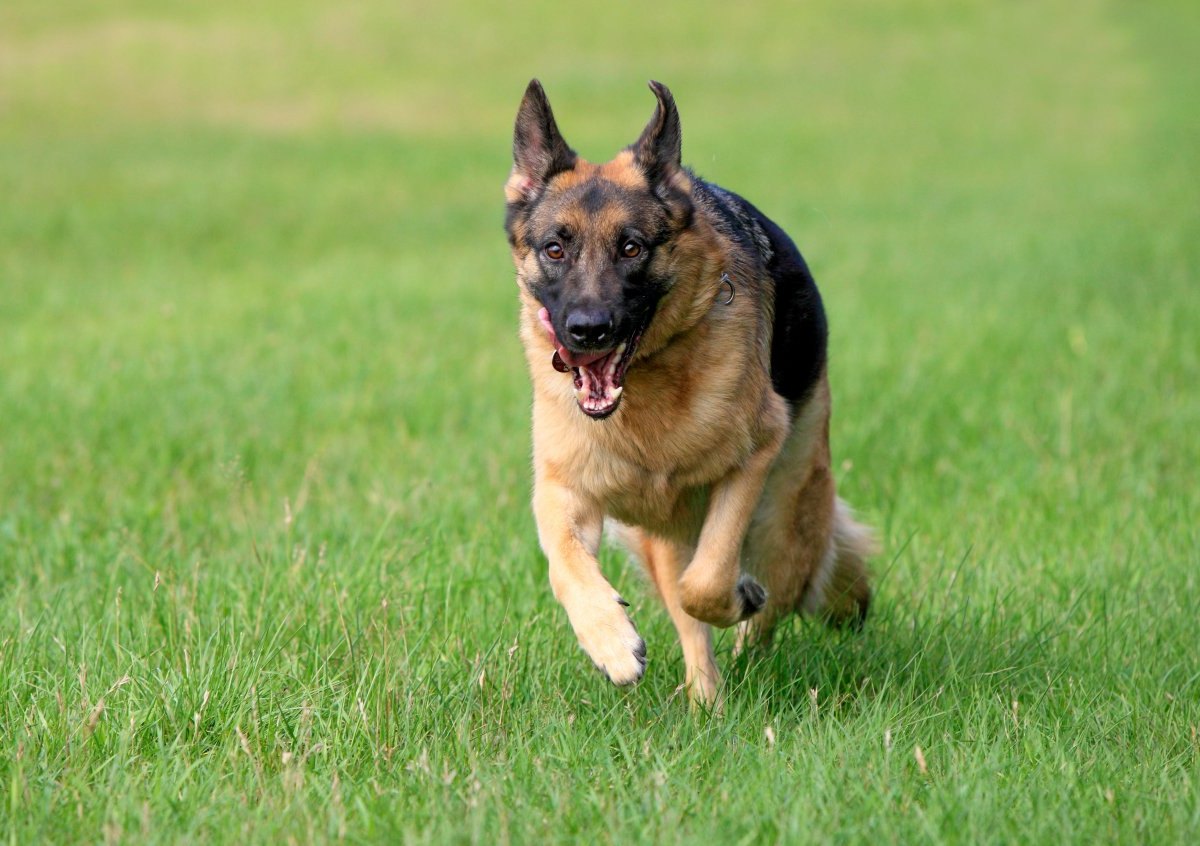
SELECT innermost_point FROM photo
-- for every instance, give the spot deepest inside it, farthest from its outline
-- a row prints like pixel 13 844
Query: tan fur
pixel 623 171
pixel 702 465
pixel 664 562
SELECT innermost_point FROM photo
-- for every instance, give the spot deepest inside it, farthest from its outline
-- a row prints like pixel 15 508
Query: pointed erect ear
pixel 539 151
pixel 658 149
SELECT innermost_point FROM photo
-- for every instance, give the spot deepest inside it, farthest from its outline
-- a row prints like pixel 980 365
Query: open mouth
pixel 599 376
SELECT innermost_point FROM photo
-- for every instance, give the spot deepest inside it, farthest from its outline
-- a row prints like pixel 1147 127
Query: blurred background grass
pixel 263 415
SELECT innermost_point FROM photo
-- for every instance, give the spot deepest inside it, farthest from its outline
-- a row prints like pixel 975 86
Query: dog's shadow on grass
pixel 909 653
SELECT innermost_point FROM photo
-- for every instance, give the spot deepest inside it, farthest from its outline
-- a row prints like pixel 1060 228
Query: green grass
pixel 267 566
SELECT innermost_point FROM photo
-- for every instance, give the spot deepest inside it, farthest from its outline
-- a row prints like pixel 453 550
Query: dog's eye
pixel 632 249
pixel 553 251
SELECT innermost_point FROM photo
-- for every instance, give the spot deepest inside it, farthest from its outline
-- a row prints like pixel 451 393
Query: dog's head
pixel 593 243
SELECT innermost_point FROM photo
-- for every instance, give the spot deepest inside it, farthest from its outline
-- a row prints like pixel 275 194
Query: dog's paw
pixel 753 596
pixel 611 640
pixel 704 689
pixel 721 608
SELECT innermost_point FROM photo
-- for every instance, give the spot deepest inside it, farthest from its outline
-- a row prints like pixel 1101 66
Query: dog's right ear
pixel 539 151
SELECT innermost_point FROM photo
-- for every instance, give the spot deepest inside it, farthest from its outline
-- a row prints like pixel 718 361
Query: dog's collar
pixel 726 284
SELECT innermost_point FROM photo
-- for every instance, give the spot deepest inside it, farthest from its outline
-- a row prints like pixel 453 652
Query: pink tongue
pixel 569 358
pixel 579 360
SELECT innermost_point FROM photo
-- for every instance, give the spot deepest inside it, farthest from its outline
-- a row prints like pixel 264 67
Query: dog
pixel 676 343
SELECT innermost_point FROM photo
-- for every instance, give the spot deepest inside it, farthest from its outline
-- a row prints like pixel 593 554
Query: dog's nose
pixel 590 327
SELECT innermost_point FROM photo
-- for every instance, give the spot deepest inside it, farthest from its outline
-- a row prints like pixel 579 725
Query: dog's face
pixel 593 243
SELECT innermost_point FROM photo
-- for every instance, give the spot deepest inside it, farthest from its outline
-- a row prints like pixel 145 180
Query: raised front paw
pixel 718 605
pixel 753 596
pixel 610 639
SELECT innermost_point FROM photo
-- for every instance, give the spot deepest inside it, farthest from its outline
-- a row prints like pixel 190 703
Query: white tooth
pixel 615 393
pixel 615 360
pixel 582 395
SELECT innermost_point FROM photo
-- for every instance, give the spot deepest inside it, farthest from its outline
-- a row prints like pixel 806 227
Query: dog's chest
pixel 660 480
pixel 667 503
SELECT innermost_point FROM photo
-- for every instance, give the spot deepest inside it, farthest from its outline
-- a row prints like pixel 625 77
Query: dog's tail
pixel 840 590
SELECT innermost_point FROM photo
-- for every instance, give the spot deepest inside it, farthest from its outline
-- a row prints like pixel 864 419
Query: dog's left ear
pixel 658 150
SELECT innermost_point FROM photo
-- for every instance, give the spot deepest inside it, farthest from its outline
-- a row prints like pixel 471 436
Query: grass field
pixel 268 571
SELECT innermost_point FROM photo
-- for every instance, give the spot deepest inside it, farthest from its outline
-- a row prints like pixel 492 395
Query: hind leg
pixel 788 545
pixel 664 561
pixel 837 589
pixel 841 589
pixel 803 544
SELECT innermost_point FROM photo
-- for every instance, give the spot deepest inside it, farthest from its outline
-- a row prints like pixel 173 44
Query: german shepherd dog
pixel 677 347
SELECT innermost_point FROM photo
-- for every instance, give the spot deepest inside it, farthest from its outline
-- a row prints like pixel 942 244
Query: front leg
pixel 664 561
pixel 713 588
pixel 569 528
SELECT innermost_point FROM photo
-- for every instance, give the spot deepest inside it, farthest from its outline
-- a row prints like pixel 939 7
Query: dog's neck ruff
pixel 729 213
